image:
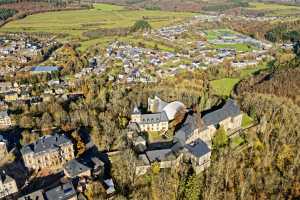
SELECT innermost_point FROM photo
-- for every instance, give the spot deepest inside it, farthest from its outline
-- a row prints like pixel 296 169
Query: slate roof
pixel 74 168
pixel 230 109
pixel 191 123
pixel 198 148
pixel 154 118
pixel 37 195
pixel 160 155
pixel 45 69
pixel 3 114
pixel 62 192
pixel 46 143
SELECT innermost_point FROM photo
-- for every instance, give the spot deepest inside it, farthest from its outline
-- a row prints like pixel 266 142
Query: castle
pixel 192 141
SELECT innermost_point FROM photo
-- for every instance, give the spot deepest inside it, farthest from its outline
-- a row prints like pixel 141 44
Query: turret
pixel 136 115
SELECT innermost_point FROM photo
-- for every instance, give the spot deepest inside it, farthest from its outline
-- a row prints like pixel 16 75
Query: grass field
pixel 77 22
pixel 223 87
pixel 107 7
pixel 237 47
pixel 214 34
pixel 273 9
pixel 271 6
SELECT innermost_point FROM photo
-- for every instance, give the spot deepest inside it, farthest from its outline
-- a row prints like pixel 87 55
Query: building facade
pixel 8 186
pixel 50 152
pixel 3 147
pixel 5 120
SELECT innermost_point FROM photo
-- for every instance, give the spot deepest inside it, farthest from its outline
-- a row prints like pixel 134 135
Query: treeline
pixel 6 13
pixel 225 6
pixel 289 31
pixel 7 1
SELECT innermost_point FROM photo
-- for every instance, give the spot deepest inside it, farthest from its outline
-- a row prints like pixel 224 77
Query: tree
pixel 141 25
pixel 28 137
pixel 220 139
pixel 297 48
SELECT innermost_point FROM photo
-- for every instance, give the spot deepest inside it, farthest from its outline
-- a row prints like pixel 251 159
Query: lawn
pixel 214 34
pixel 223 87
pixel 236 141
pixel 237 47
pixel 77 22
pixel 246 121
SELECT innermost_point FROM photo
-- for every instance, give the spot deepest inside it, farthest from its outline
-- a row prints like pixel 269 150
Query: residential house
pixel 37 195
pixel 75 169
pixel 44 69
pixel 3 147
pixel 8 185
pixel 52 152
pixel 5 120
pixel 11 96
pixel 62 192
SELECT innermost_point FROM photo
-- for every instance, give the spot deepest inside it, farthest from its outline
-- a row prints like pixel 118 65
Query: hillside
pixel 284 83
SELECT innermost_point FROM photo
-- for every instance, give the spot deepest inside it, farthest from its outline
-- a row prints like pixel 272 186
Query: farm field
pixel 75 23
pixel 272 9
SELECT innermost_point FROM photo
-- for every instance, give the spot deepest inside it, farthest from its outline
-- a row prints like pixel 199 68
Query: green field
pixel 214 34
pixel 271 6
pixel 76 22
pixel 223 87
pixel 273 9
pixel 237 47
pixel 107 7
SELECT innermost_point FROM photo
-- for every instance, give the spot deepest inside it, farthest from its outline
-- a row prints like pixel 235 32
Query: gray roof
pixel 154 118
pixel 46 143
pixel 37 195
pixel 74 168
pixel 62 192
pixel 191 123
pixel 230 109
pixel 160 155
pixel 3 114
pixel 6 178
pixel 198 148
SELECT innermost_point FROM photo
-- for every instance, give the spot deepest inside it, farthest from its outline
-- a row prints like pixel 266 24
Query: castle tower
pixel 136 115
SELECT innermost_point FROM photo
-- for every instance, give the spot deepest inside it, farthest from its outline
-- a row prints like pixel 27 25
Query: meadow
pixel 75 23
pixel 273 9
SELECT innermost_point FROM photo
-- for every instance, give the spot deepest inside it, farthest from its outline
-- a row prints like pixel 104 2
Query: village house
pixel 8 185
pixel 37 195
pixel 3 147
pixel 63 192
pixel 44 69
pixel 11 96
pixel 75 169
pixel 49 152
pixel 5 120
